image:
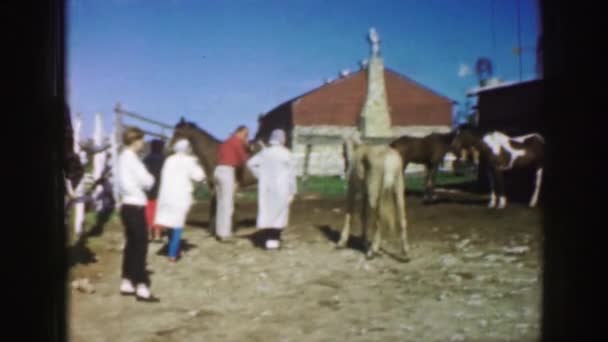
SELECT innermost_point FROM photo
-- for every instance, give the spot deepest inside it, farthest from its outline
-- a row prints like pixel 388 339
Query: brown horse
pixel 205 147
pixel 429 150
pixel 499 152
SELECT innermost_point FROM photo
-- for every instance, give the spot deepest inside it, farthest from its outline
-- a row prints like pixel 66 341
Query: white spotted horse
pixel 502 153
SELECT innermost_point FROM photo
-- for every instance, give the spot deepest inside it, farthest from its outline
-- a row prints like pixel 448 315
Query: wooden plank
pixel 162 136
pixel 142 118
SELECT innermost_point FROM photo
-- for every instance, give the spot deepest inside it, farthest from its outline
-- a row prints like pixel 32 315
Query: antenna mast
pixel 519 47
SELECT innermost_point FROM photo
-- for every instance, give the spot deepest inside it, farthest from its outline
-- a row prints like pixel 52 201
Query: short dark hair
pixel 132 134
pixel 240 128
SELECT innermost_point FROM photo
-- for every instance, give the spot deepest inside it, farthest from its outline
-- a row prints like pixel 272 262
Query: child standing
pixel 154 163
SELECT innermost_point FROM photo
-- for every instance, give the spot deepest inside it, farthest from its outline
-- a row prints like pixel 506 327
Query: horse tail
pixel 540 137
pixel 387 208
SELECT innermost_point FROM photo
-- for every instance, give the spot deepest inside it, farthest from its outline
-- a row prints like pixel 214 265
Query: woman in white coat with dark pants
pixel 275 168
pixel 175 193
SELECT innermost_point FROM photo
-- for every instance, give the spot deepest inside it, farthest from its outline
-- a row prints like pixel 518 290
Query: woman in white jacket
pixel 275 168
pixel 133 179
pixel 175 194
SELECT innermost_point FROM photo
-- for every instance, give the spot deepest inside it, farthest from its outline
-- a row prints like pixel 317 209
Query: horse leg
pixel 372 199
pixel 537 184
pixel 431 181
pixel 492 203
pixel 350 202
pixel 405 162
pixel 364 222
pixel 427 184
pixel 374 248
pixel 212 213
pixel 500 189
pixel 345 231
pixel 400 199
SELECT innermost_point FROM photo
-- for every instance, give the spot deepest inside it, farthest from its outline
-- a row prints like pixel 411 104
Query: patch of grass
pixel 335 186
pixel 201 192
pixel 327 186
pixel 415 181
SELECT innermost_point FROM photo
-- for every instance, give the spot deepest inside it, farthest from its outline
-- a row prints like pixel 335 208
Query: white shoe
pixel 126 287
pixel 272 244
pixel 143 294
pixel 143 291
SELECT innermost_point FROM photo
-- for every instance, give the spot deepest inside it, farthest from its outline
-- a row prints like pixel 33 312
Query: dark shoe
pixel 150 299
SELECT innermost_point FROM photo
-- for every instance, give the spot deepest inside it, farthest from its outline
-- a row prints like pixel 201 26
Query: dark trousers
pixel 136 249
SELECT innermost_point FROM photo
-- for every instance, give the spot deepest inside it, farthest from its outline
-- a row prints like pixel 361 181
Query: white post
pixel 79 206
pixel 77 129
pixel 99 160
pixel 115 141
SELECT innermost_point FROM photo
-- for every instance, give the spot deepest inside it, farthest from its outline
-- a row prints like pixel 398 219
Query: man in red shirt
pixel 231 154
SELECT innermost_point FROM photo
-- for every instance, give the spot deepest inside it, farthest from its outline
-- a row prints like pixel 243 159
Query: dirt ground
pixel 475 275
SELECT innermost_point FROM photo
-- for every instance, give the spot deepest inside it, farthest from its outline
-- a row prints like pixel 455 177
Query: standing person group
pixel 274 167
pixel 174 192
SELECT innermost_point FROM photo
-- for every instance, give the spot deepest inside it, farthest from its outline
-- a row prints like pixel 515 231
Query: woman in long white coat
pixel 275 168
pixel 175 193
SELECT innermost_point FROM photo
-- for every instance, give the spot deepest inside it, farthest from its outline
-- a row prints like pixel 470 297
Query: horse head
pixel 183 130
pixel 465 146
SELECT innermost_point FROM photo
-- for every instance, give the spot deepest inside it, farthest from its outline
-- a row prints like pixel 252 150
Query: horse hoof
pixel 370 255
pixel 339 246
pixel 404 259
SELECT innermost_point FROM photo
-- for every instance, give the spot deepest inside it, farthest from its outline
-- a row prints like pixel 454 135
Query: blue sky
pixel 221 63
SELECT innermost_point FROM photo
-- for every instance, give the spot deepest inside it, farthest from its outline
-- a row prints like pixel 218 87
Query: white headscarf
pixel 182 146
pixel 277 137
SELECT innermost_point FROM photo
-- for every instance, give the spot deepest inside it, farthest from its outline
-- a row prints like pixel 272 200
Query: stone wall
pixel 375 117
pixel 327 159
pixel 419 131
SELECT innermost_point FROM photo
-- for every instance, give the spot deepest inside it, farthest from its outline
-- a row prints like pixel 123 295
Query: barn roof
pixel 478 90
pixel 340 102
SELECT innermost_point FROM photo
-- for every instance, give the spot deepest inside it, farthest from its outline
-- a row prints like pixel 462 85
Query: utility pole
pixel 519 47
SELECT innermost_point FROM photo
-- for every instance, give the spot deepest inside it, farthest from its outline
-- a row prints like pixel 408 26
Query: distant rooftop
pixel 476 90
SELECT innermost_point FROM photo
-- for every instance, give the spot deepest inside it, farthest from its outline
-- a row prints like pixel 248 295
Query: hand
pixel 88 180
